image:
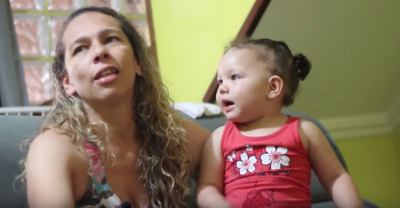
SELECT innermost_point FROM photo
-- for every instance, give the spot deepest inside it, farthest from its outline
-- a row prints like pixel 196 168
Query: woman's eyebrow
pixel 102 32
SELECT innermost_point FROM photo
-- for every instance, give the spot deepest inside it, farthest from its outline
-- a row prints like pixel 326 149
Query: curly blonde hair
pixel 163 161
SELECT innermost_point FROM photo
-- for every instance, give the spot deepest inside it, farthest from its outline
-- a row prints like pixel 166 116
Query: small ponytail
pixel 302 65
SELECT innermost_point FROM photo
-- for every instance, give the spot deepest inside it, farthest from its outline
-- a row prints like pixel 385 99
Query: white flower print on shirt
pixel 232 156
pixel 247 164
pixel 276 157
pixel 249 148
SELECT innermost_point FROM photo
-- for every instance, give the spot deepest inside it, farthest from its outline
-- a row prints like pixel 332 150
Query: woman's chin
pixel 112 96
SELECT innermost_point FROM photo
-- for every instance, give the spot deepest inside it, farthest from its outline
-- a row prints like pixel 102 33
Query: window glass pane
pixel 143 28
pixel 115 4
pixel 65 5
pixel 27 4
pixel 38 82
pixel 99 3
pixel 136 6
pixel 32 34
pixel 55 23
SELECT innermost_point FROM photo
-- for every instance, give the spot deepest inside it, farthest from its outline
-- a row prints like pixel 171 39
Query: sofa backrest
pixel 15 129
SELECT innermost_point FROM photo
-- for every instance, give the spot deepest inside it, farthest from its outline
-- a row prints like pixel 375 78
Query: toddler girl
pixel 261 157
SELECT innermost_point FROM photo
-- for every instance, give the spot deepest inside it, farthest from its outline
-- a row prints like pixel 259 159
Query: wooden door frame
pixel 247 30
pixel 149 16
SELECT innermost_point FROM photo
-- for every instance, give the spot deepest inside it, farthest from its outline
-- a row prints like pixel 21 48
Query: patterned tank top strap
pixel 96 164
pixel 100 192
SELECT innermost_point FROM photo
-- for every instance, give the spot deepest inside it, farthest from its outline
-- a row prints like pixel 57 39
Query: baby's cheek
pixel 243 93
pixel 218 99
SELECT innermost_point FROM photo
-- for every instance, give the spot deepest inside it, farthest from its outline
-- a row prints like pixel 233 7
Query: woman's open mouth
pixel 106 75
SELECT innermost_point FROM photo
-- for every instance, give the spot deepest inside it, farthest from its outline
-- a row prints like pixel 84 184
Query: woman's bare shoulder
pixel 51 140
pixel 53 144
pixel 52 161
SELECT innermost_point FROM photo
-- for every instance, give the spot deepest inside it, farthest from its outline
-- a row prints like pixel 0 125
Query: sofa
pixel 15 129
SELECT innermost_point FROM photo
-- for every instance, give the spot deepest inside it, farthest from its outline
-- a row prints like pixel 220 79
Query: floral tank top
pixel 99 193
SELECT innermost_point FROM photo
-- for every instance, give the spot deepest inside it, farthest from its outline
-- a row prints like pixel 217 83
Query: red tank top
pixel 266 171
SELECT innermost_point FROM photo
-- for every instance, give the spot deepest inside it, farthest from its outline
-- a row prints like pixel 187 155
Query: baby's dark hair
pixel 290 68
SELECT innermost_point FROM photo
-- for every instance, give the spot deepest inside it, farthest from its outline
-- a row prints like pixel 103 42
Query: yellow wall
pixel 396 140
pixel 190 37
pixel 373 165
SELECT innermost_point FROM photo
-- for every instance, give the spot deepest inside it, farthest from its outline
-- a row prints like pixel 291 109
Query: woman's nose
pixel 101 54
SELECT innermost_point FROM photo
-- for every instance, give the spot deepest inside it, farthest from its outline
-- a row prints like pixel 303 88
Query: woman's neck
pixel 119 119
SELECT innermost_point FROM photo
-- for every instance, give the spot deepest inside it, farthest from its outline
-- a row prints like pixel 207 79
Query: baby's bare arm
pixel 329 170
pixel 209 194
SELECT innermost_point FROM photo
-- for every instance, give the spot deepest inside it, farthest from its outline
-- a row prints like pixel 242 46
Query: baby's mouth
pixel 228 103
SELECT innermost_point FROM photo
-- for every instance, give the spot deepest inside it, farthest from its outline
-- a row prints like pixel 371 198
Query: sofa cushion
pixel 331 204
pixel 14 130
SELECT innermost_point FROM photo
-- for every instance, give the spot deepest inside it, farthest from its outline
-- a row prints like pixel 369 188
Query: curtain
pixel 12 84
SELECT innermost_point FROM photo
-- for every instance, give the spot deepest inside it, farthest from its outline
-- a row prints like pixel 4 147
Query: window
pixel 37 25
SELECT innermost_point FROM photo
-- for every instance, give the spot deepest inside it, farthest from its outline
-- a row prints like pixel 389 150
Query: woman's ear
pixel 275 85
pixel 139 70
pixel 68 87
pixel 138 67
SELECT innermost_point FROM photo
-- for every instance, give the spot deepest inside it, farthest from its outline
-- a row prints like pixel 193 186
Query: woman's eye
pixel 234 77
pixel 111 39
pixel 78 50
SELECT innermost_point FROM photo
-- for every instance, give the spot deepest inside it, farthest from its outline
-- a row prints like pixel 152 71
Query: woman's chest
pixel 124 180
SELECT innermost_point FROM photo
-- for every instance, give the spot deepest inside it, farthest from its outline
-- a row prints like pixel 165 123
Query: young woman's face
pixel 99 59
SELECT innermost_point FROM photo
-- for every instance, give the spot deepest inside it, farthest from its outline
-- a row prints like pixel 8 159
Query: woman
pixel 111 139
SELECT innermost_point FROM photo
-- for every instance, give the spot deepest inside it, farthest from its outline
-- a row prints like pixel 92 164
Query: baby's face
pixel 243 85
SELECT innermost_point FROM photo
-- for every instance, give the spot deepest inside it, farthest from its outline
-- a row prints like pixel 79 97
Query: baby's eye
pixel 219 81
pixel 234 77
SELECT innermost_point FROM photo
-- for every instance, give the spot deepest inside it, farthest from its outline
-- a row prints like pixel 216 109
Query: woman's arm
pixel 209 192
pixel 48 172
pixel 197 137
pixel 329 170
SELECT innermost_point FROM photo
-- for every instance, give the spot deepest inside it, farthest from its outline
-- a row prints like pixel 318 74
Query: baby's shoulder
pixel 308 131
pixel 217 133
pixel 216 136
pixel 307 127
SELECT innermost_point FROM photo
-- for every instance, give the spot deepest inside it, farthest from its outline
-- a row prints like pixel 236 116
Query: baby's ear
pixel 275 86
